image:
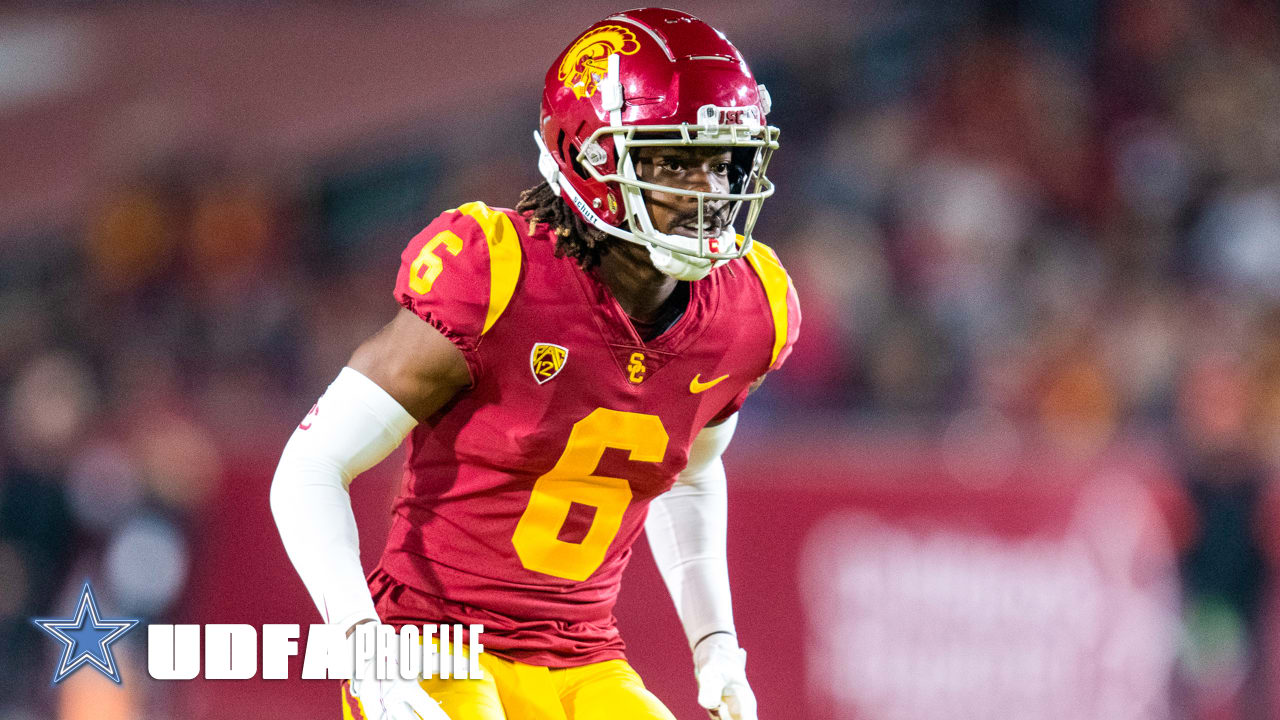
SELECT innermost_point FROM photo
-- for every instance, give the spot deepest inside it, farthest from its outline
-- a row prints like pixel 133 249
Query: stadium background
pixel 1019 466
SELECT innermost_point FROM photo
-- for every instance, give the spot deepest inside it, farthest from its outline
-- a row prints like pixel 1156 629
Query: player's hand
pixel 394 698
pixel 721 669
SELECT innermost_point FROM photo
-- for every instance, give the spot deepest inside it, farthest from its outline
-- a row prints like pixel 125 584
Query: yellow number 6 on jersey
pixel 419 281
pixel 571 480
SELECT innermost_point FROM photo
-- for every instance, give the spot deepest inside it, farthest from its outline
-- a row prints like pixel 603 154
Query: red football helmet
pixel 654 77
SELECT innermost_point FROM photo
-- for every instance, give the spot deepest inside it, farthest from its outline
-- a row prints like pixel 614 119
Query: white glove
pixel 721 669
pixel 393 698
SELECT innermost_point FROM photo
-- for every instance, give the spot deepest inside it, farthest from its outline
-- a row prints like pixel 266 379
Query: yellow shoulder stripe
pixel 775 281
pixel 504 257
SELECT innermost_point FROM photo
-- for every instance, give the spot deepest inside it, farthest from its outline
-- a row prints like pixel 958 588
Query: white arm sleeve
pixel 354 425
pixel 687 529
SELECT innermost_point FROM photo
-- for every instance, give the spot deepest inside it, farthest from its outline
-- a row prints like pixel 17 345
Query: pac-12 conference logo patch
pixel 546 360
pixel 587 62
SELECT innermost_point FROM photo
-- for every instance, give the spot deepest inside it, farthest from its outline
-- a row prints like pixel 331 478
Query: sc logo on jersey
pixel 546 360
pixel 636 368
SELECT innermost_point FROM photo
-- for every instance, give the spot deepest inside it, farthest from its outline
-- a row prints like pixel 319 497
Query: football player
pixel 568 373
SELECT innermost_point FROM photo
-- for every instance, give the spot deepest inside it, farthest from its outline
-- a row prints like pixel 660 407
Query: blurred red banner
pixel 863 588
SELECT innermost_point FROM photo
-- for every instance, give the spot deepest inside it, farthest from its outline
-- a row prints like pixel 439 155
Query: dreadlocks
pixel 574 237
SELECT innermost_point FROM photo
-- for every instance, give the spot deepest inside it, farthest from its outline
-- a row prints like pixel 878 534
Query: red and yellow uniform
pixel 522 497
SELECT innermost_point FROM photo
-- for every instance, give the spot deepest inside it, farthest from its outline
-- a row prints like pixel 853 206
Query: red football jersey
pixel 523 495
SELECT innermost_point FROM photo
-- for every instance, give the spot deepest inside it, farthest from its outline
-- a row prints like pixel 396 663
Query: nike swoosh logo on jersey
pixel 695 386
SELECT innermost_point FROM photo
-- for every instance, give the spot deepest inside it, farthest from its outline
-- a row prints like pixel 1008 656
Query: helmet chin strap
pixel 684 267
pixel 679 267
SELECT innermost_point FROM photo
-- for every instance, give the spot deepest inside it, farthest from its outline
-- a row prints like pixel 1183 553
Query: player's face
pixel 703 169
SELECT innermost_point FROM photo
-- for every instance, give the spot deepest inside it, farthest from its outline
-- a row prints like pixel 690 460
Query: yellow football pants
pixel 609 690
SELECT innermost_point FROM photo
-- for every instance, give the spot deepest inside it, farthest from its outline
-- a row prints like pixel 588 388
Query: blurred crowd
pixel 1041 228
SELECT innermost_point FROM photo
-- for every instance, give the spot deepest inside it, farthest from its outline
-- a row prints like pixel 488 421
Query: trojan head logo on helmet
pixel 650 78
pixel 587 59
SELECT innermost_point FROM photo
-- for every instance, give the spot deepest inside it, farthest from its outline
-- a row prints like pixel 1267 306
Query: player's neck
pixel 639 287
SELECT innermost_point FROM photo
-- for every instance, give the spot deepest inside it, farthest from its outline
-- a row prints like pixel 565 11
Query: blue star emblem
pixel 87 637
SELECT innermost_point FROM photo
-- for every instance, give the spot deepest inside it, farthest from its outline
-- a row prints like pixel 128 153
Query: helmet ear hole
pixel 577 166
pixel 560 145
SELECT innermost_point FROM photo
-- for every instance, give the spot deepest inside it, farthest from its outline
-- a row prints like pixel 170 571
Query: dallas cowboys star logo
pixel 87 638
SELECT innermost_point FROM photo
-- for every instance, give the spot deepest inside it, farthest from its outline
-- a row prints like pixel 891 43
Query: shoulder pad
pixel 784 305
pixel 460 273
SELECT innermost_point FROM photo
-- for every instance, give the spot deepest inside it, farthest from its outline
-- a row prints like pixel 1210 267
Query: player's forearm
pixel 319 534
pixel 353 427
pixel 687 529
